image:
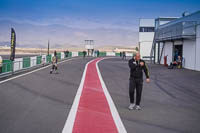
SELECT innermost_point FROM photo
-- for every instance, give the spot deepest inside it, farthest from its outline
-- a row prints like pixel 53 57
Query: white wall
pixel 52 55
pixel 18 64
pixel 167 51
pixel 110 54
pixel 190 48
pixel 145 48
pixel 146 40
pixel 74 54
pixel 129 54
pixel 146 36
pixel 44 60
pixel 189 54
pixel 62 55
pixel 33 61
pixel 198 48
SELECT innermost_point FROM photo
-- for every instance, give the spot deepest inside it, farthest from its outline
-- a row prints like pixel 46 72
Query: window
pixel 146 29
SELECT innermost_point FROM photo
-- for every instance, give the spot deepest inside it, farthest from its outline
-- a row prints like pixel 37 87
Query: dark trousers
pixel 54 67
pixel 138 85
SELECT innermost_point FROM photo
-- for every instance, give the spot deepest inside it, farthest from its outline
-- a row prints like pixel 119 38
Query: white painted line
pixel 114 112
pixel 68 127
pixel 33 71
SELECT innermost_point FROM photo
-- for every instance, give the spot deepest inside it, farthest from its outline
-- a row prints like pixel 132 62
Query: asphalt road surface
pixel 40 102
pixel 170 103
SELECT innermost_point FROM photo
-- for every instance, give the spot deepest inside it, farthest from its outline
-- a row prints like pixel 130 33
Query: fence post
pixel 12 67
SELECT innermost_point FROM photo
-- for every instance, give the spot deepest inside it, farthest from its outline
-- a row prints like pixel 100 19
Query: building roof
pixel 166 18
pixel 191 17
pixel 147 23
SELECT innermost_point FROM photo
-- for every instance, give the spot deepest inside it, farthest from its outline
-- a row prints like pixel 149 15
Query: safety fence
pixel 18 64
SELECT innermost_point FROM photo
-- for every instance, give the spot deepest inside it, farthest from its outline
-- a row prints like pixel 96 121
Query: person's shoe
pixel 50 72
pixel 131 106
pixel 138 107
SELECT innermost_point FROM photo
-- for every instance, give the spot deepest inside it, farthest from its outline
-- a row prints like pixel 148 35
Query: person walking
pixel 1 64
pixel 84 54
pixel 120 54
pixel 66 53
pixel 137 67
pixel 124 55
pixel 97 53
pixel 54 63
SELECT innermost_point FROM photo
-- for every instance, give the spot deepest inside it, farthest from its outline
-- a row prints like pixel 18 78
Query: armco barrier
pixel 26 62
pixel 129 54
pixel 48 58
pixel 117 54
pixel 18 64
pixel 74 54
pixel 70 54
pixel 62 55
pixel 39 60
pixel 102 54
pixel 44 59
pixel 7 66
pixel 59 55
pixel 33 61
pixel 52 57
pixel 110 53
pixel 80 53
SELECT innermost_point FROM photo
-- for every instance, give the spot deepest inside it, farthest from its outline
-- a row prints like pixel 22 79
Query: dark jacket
pixel 136 69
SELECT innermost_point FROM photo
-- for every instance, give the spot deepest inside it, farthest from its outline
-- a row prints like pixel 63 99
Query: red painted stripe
pixel 93 114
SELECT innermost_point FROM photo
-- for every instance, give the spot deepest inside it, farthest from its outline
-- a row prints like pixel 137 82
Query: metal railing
pixel 186 29
pixel 12 67
pixel 181 30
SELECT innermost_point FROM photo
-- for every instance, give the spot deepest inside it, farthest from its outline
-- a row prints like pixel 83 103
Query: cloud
pixel 68 31
pixel 81 23
pixel 80 34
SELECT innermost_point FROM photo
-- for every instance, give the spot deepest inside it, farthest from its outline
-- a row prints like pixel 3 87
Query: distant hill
pixel 30 35
pixel 5 44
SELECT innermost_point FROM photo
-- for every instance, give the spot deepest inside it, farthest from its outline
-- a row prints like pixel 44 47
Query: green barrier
pixel 70 54
pixel 39 60
pixel 48 59
pixel 102 53
pixel 80 53
pixel 26 62
pixel 117 54
pixel 66 54
pixel 59 55
pixel 7 66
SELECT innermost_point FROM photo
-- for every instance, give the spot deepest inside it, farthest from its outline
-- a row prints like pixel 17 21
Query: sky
pixel 108 22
